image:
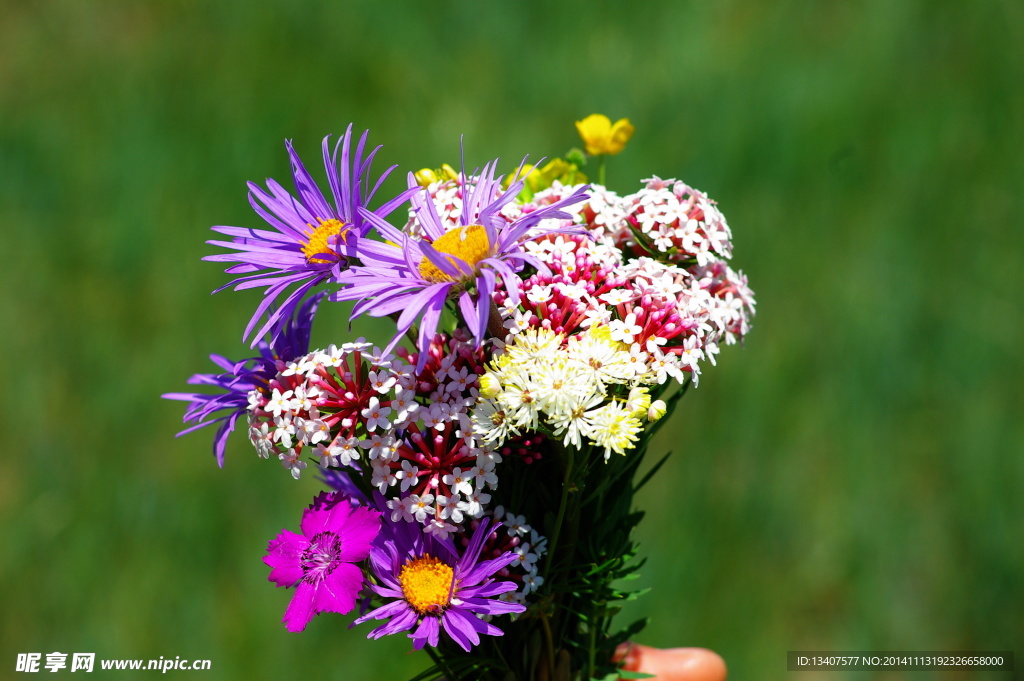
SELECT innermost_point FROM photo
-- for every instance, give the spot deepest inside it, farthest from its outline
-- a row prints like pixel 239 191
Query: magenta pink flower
pixel 319 562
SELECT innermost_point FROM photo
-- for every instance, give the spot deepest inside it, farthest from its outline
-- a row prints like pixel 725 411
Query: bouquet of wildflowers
pixel 481 461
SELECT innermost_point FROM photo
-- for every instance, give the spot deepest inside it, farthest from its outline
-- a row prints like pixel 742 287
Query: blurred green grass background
pixel 849 480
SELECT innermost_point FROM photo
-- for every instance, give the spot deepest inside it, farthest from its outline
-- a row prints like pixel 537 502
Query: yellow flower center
pixel 319 239
pixel 426 583
pixel 468 244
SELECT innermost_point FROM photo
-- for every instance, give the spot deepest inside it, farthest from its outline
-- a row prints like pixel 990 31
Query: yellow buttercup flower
pixel 601 137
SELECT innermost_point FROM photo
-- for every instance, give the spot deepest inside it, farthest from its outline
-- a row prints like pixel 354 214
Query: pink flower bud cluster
pixel 652 271
pixel 406 430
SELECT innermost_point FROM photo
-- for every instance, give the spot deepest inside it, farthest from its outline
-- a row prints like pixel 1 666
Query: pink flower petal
pixel 300 611
pixel 284 553
pixel 338 591
pixel 357 533
pixel 328 513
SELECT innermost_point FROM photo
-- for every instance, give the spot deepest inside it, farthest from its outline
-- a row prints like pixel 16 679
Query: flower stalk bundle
pixel 481 461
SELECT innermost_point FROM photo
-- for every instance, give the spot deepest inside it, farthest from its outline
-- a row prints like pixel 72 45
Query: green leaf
pixel 634 675
pixel 627 633
pixel 650 473
pixel 645 242
pixel 433 672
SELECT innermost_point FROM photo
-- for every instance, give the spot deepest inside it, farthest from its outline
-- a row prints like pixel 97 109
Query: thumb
pixel 673 664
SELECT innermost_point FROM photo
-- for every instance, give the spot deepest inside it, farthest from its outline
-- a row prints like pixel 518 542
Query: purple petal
pixel 384 612
pixel 488 568
pixel 458 626
pixel 383 227
pixel 488 589
pixel 278 317
pixel 306 187
pixel 386 592
pixel 492 606
pixel 248 234
pixel 468 309
pixel 428 327
pixel 346 203
pixel 483 627
pixel 220 440
pixel 485 287
pixel 330 163
pixel 390 206
pixel 384 564
pixel 426 633
pixel 426 213
pixel 403 621
pixel 417 303
pixel 476 543
pixel 512 282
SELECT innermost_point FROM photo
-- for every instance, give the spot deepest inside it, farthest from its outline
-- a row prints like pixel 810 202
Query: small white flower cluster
pixel 677 315
pixel 680 221
pixel 286 416
pixel 353 404
pixel 674 221
pixel 653 311
pixel 714 302
pixel 585 387
pixel 528 545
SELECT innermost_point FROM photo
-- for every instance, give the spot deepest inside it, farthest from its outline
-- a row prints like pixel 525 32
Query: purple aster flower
pixel 314 236
pixel 319 562
pixel 414 277
pixel 430 587
pixel 240 378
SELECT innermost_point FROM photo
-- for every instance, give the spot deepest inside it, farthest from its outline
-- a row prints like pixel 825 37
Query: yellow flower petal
pixel 621 133
pixel 601 137
pixel 594 130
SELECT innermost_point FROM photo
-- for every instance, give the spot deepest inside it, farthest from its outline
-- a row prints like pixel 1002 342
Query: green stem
pixel 495 325
pixel 600 169
pixel 553 546
pixel 591 653
pixel 440 664
pixel 501 657
pixel 550 643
